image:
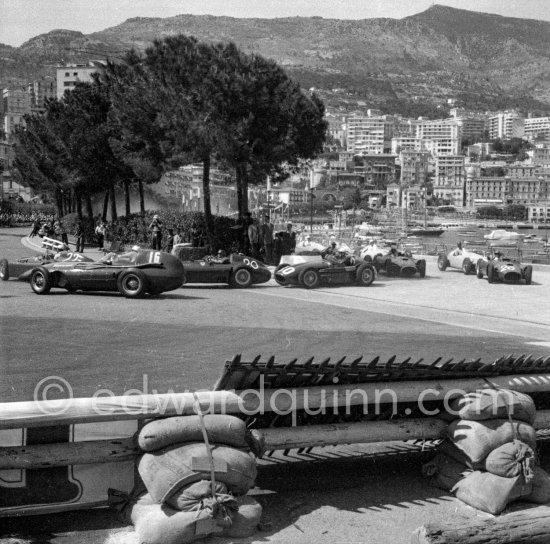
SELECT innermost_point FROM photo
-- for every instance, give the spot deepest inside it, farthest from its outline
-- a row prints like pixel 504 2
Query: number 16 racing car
pixel 316 271
pixel 132 274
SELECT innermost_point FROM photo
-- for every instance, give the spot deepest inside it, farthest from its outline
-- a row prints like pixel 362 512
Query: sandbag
pixel 190 498
pixel 486 404
pixel 444 471
pixel 541 487
pixel 479 438
pixel 512 459
pixel 221 429
pixel 489 492
pixel 246 519
pixel 166 471
pixel 160 524
pixel 450 449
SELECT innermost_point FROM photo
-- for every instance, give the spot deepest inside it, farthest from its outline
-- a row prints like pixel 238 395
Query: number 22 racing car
pixel 504 269
pixel 132 274
pixel 316 271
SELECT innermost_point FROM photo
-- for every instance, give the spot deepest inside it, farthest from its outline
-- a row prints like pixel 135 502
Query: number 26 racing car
pixel 311 272
pixel 132 274
pixel 505 269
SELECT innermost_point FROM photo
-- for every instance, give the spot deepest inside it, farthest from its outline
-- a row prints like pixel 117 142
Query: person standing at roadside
pixel 289 240
pixel 100 231
pixel 254 238
pixel 156 230
pixel 169 245
pixel 266 237
pixel 79 236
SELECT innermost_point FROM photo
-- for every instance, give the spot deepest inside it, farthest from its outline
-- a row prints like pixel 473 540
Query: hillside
pixel 484 60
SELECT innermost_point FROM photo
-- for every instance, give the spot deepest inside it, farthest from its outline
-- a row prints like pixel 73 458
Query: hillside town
pixel 468 161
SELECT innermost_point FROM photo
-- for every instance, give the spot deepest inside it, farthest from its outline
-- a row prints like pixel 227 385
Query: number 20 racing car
pixel 504 269
pixel 132 274
pixel 311 272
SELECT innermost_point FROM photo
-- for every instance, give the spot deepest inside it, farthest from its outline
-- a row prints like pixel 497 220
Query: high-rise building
pixel 369 135
pixel 450 179
pixel 505 125
pixel 537 128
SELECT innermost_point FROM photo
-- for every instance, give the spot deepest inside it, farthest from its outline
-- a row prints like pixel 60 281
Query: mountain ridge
pixel 439 53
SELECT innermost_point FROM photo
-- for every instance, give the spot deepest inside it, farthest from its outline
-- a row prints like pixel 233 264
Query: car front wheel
pixel 466 266
pixel 365 275
pixel 479 271
pixel 4 270
pixel 490 273
pixel 421 268
pixel 132 284
pixel 241 278
pixel 528 275
pixel 442 263
pixel 41 281
pixel 309 278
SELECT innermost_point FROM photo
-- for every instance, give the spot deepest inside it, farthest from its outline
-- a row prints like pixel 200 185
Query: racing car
pixel 498 267
pixel 400 264
pixel 132 274
pixel 460 258
pixel 15 269
pixel 236 270
pixel 316 271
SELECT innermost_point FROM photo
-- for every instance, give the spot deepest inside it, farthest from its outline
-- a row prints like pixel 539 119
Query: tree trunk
pixel 127 197
pixel 105 205
pixel 113 203
pixel 59 202
pixel 239 182
pixel 242 189
pixel 89 208
pixel 141 197
pixel 524 527
pixel 206 201
pixel 78 203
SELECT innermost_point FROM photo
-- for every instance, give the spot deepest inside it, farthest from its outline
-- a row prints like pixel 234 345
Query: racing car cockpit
pixel 120 259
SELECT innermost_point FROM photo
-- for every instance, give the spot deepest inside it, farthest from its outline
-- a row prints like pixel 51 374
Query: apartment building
pixel 471 127
pixel 440 137
pixel 15 104
pixel 41 90
pixel 369 135
pixel 505 125
pixel 337 128
pixel 450 179
pixel 414 167
pixel 537 128
pixel 541 154
pixel 375 170
pixel 69 75
pixel 487 191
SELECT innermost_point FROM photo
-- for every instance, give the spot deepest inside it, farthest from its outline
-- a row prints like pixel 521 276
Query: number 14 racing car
pixel 132 274
pixel 317 271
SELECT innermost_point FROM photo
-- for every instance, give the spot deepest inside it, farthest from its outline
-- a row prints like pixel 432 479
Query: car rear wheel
pixel 4 270
pixel 479 271
pixel 442 263
pixel 528 275
pixel 421 266
pixel 41 281
pixel 309 278
pixel 132 284
pixel 365 275
pixel 490 273
pixel 241 278
pixel 466 266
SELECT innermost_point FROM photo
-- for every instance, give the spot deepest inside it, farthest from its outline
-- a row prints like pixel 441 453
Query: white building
pixel 71 74
pixel 369 135
pixel 450 179
pixel 537 128
pixel 505 125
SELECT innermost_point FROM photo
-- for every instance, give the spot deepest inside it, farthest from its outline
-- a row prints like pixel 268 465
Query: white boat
pixel 503 235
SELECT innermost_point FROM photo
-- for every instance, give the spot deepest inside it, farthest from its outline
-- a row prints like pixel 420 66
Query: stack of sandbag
pixel 195 490
pixel 489 459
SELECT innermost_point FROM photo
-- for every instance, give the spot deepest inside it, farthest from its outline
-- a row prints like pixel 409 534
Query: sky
pixel 21 20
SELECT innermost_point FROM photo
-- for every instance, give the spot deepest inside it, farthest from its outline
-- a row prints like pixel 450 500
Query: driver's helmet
pixel 221 253
pixel 135 248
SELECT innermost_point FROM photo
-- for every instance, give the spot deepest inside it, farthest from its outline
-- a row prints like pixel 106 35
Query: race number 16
pixel 154 257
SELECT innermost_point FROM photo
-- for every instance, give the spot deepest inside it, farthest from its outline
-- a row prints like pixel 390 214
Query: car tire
pixel 309 278
pixel 421 266
pixel 280 267
pixel 132 283
pixel 442 263
pixel 365 275
pixel 528 275
pixel 466 266
pixel 41 281
pixel 490 273
pixel 479 272
pixel 4 270
pixel 241 278
pixel 368 259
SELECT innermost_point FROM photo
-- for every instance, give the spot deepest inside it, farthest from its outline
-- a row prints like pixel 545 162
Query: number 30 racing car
pixel 504 269
pixel 316 271
pixel 132 274
pixel 237 271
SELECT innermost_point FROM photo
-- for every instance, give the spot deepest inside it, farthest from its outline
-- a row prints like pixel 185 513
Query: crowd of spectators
pixel 9 218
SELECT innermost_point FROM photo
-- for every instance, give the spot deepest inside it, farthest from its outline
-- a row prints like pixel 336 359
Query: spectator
pixel 156 229
pixel 289 240
pixel 254 238
pixel 177 237
pixel 169 245
pixel 266 236
pixel 247 221
pixel 35 228
pixel 278 245
pixel 100 234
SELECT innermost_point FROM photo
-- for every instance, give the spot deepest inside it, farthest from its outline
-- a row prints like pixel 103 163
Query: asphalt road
pixel 180 341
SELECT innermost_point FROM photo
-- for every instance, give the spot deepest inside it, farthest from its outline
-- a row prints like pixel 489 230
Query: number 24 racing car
pixel 316 271
pixel 504 269
pixel 132 274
